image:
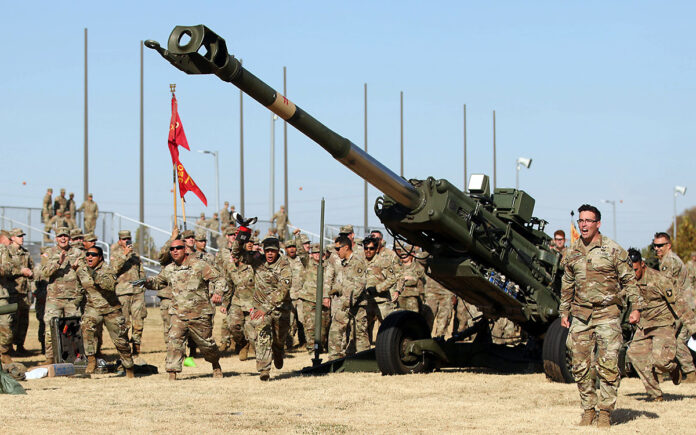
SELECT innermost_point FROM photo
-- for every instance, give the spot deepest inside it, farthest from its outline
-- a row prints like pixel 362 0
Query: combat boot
pixel 604 418
pixel 130 373
pixel 91 364
pixel 172 376
pixel 136 349
pixel 656 399
pixel 223 347
pixel 587 417
pixel 278 360
pixel 217 370
pixel 264 375
pixel 676 375
pixel 243 353
pixel 5 358
pixel 690 378
pixel 251 352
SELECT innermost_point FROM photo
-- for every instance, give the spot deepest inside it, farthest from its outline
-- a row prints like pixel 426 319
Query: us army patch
pixel 360 270
pixel 669 293
pixel 664 267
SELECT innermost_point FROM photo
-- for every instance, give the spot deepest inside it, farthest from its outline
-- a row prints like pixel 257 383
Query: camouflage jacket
pixel 272 282
pixel 127 268
pixel 434 288
pixel 189 286
pixel 47 203
pixel 62 279
pixel 597 280
pixel 383 273
pixel 205 256
pixel 5 272
pixel 90 208
pixel 350 281
pixel 242 278
pixel 223 256
pixel 164 259
pixel 412 279
pixel 672 266
pixel 100 287
pixel 664 303
pixel 309 273
pixel 13 259
pixel 691 270
pixel 296 267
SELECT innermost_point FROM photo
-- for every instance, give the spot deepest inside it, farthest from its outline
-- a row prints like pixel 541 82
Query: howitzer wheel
pixel 397 330
pixel 556 356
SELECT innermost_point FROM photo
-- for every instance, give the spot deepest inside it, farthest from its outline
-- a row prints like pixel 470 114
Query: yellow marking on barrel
pixel 283 107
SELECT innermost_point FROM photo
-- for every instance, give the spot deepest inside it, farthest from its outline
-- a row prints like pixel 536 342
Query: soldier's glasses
pixel 659 245
pixel 175 248
pixel 91 254
pixel 338 248
pixel 370 248
pixel 587 221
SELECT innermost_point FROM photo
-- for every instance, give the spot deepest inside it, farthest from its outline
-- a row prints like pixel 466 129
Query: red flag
pixel 177 137
pixel 187 184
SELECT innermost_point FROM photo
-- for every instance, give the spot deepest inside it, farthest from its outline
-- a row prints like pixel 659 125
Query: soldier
pixel 40 284
pixel 691 269
pixel 189 238
pixel 71 224
pixel 21 271
pixel 410 289
pixel 91 213
pixel 225 215
pixel 465 316
pixel 64 293
pixel 57 221
pixel 281 220
pixel 200 243
pixel 383 271
pixel 270 314
pixel 47 206
pixel 308 295
pixel 441 306
pixel 103 307
pixel 296 266
pixel 61 202
pixel 673 266
pixel 654 347
pixel 240 304
pixel 5 319
pixel 165 293
pixel 87 241
pixel 191 310
pixel 77 239
pixel 559 241
pixel 202 221
pixel 347 230
pixel 598 276
pixel 351 313
pixel 70 206
pixel 127 266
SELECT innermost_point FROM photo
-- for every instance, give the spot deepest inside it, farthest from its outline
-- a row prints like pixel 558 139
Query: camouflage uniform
pixel 597 279
pixel 296 325
pixel 18 287
pixel 439 301
pixel 654 346
pixel 673 267
pixel 40 284
pixel 61 202
pixel 382 275
pixel 70 206
pixel 281 220
pixel 351 307
pixel 129 268
pixel 5 319
pixel 308 295
pixel 505 331
pixel 191 313
pixel 691 270
pixel 240 303
pixel 64 293
pixel 165 293
pixel 465 316
pixel 411 285
pixel 91 213
pixel 272 284
pixel 223 258
pixel 57 221
pixel 46 207
pixel 103 307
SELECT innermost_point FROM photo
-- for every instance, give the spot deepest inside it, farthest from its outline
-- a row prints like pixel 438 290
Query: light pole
pixel 613 208
pixel 677 190
pixel 521 161
pixel 217 181
pixel 274 117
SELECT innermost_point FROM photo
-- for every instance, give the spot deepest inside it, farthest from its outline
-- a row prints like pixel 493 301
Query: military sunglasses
pixel 659 245
pixel 92 254
pixel 176 248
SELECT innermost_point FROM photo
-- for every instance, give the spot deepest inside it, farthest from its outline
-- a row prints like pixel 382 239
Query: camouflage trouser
pixel 90 224
pixel 410 303
pixel 440 313
pixel 40 309
pixel 135 312
pixel 200 330
pixel 309 311
pixel 20 321
pixel 377 311
pixel 504 331
pixel 5 329
pixel 582 339
pixel 652 351
pixel 348 332
pixel 684 357
pixel 116 325
pixel 271 332
pixel 165 304
pixel 239 325
pixel 296 326
pixel 465 315
pixel 59 308
pixel 45 215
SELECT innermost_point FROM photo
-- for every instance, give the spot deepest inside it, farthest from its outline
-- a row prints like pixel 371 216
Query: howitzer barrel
pixel 8 309
pixel 183 51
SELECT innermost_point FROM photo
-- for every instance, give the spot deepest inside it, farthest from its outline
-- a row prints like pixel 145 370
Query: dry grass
pixel 450 401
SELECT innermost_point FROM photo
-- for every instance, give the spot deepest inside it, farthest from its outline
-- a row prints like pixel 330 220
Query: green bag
pixel 8 385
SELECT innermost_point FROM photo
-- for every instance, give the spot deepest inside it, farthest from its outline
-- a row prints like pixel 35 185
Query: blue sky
pixel 599 94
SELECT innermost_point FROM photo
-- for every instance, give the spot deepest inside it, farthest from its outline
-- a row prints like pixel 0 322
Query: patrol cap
pixel 290 242
pixel 202 215
pixel 315 248
pixel 271 243
pixel 187 234
pixel 89 195
pixel 90 237
pixel 76 233
pixel 346 229
pixel 304 239
pixel 62 231
pixel 62 190
pixel 404 248
pixel 201 235
pixel 230 231
pixel 124 234
pixel 72 193
pixel 16 232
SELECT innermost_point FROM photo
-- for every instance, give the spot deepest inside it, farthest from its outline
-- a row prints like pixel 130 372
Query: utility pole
pixel 86 162
pixel 142 155
pixel 494 166
pixel 365 182
pixel 241 150
pixel 402 134
pixel 465 179
pixel 285 148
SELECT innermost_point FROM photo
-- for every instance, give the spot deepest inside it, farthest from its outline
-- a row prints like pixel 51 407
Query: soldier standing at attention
pixel 654 346
pixel 128 268
pixel 225 215
pixel 70 205
pixel 61 202
pixel 410 289
pixel 270 314
pixel 91 213
pixel 47 206
pixel 21 274
pixel 64 293
pixel 103 307
pixel 672 266
pixel 281 220
pixel 597 275
pixel 191 310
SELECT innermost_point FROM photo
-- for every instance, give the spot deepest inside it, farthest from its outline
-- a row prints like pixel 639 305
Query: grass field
pixel 452 401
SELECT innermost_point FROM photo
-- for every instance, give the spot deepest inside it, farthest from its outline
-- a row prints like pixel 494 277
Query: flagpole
pixel 172 89
pixel 183 210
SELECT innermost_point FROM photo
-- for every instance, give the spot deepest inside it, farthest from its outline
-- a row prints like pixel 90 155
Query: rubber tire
pixel 555 355
pixel 398 326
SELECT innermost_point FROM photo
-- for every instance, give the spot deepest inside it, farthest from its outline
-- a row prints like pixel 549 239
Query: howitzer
pixel 480 242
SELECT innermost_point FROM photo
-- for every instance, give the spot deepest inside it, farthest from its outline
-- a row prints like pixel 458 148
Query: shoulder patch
pixel 669 293
pixel 664 267
pixel 360 270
